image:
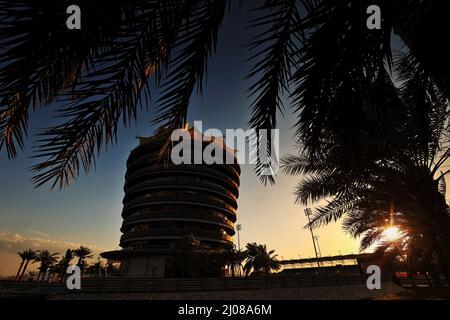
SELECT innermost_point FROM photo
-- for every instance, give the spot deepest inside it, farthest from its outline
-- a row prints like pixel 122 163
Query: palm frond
pixel 426 109
pixel 302 164
pixel 276 46
pixel 109 92
pixel 333 211
pixel 335 84
pixel 195 44
pixel 40 58
pixel 37 62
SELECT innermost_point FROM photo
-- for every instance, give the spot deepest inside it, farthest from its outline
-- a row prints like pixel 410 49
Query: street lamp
pixel 316 238
pixel 238 228
pixel 308 213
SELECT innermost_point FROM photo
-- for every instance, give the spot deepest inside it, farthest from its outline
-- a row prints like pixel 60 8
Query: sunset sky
pixel 89 211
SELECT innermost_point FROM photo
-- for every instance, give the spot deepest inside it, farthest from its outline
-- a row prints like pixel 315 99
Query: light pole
pixel 316 237
pixel 308 212
pixel 238 228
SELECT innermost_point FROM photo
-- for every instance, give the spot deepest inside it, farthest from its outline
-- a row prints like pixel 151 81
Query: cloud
pixel 13 242
pixel 38 233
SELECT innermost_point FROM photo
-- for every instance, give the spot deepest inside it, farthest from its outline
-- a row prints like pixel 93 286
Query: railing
pixel 178 216
pixel 196 198
pixel 180 184
pixel 180 199
pixel 173 233
pixel 204 172
pixel 150 285
pixel 135 164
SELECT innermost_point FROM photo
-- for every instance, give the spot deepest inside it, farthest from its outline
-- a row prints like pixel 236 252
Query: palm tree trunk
pixel 18 271
pixel 435 278
pixel 61 277
pixel 423 28
pixel 266 276
pixel 24 270
pixel 63 274
pixel 444 257
pixel 441 225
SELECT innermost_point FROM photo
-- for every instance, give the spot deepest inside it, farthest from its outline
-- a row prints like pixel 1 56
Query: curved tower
pixel 164 203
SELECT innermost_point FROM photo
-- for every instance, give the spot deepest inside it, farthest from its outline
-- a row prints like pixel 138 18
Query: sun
pixel 392 234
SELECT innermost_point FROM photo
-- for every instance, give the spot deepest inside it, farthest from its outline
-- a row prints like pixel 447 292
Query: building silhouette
pixel 165 203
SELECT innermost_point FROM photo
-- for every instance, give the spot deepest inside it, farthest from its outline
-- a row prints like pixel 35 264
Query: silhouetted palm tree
pixel 53 271
pixel 401 172
pixel 321 49
pixel 64 263
pixel 22 256
pixel 29 255
pixel 46 260
pixel 122 43
pixel 111 269
pixel 259 260
pixel 233 258
pixel 342 68
pixel 414 246
pixel 94 270
pixel 82 253
pixel 192 259
pixel 415 27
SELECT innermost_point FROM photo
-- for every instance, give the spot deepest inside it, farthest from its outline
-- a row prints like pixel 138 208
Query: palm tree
pixel 28 255
pixel 140 39
pixel 22 255
pixel 319 48
pixel 82 253
pixel 46 260
pixel 233 258
pixel 64 263
pixel 192 259
pixel 413 246
pixel 401 172
pixel 94 270
pixel 413 26
pixel 341 65
pixel 259 260
pixel 111 269
pixel 53 271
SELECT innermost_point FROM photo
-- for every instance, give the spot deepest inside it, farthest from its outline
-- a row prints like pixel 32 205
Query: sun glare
pixel 392 234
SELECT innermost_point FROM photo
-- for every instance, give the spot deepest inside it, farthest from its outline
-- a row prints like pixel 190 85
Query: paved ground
pixel 418 294
pixel 389 292
pixel 352 292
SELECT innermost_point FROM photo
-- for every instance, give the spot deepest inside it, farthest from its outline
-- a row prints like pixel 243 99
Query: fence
pixel 154 285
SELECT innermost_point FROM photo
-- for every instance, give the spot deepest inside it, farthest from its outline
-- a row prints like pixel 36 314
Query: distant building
pixel 164 203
